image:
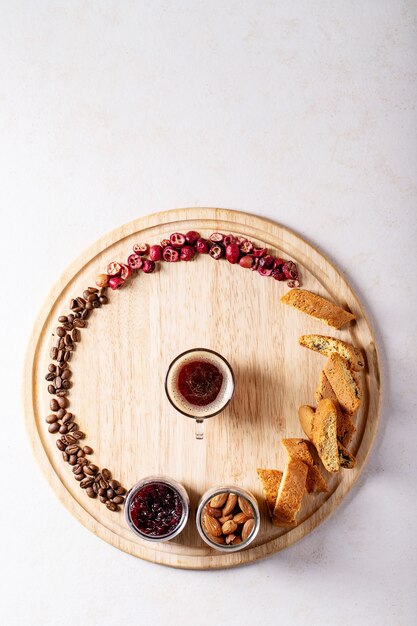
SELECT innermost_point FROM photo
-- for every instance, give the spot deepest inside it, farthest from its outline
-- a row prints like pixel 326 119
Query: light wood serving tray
pixel 120 365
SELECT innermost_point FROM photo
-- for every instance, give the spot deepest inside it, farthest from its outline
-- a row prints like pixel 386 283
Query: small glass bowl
pixel 207 496
pixel 185 501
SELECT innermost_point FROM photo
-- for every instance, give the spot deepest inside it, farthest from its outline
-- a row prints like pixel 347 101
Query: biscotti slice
pixel 344 385
pixel 345 426
pixel 316 306
pixel 270 481
pixel 329 345
pixel 290 493
pixel 321 428
pixel 298 449
pixel 347 460
pixel 315 482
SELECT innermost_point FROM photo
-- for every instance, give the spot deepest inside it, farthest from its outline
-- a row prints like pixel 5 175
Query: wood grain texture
pixel 120 365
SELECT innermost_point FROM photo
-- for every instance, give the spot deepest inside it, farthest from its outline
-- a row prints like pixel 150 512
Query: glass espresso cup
pixel 199 384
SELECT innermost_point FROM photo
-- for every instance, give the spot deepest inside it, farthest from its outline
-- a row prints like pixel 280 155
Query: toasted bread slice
pixel 344 385
pixel 270 481
pixel 345 426
pixel 290 493
pixel 298 449
pixel 315 482
pixel 318 307
pixel 347 460
pixel 329 345
pixel 321 428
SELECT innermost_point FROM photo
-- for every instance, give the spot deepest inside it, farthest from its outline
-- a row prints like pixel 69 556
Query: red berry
pixel 247 261
pixel 263 271
pixel 165 243
pixel 102 280
pixel 246 246
pixel 187 253
pixel 202 246
pixel 217 251
pixel 170 255
pixel 293 284
pixel 259 252
pixel 148 266
pixel 232 252
pixel 229 239
pixel 216 237
pixel 192 236
pixel 155 252
pixel 114 269
pixel 290 270
pixel 267 262
pixel 240 240
pixel 141 248
pixel 126 272
pixel 177 240
pixel 116 282
pixel 255 264
pixel 278 274
pixel 134 261
pixel 278 262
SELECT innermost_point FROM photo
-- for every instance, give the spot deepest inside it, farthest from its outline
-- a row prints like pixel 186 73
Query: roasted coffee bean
pixel 60 356
pixel 77 311
pixel 66 373
pixel 80 454
pixel 112 506
pixel 60 445
pixel 50 376
pixel 62 319
pixel 67 356
pixel 97 477
pixel 93 467
pixel 103 299
pixel 104 484
pixel 86 293
pixel 118 500
pixel 68 340
pixel 58 382
pixel 90 492
pixel 72 448
pixel 96 304
pixel 67 417
pixel 51 389
pixel 71 427
pixel 58 371
pixel 120 491
pixel 92 289
pixel 61 393
pixel 73 304
pixel 53 353
pixel 65 457
pixel 95 488
pixel 89 471
pixel 78 434
pixel 50 419
pixel 91 297
pixel 53 405
pixel 63 429
pixel 110 493
pixel 78 469
pixel 82 461
pixel 60 331
pixel 51 368
pixel 70 318
pixel 62 403
pixel 69 439
pixel 103 499
pixel 106 473
pixel 75 335
pixel 101 491
pixel 79 323
pixel 68 327
pixel 88 307
pixel 85 315
pixel 79 477
pixel 81 301
pixel 86 482
pixel 114 484
pixel 88 450
pixel 61 344
pixel 72 459
pixel 102 291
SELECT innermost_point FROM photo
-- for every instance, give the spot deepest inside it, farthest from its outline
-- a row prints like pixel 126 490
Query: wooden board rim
pixel 117 234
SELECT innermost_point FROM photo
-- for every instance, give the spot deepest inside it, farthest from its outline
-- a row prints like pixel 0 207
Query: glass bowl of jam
pixel 157 508
pixel 228 518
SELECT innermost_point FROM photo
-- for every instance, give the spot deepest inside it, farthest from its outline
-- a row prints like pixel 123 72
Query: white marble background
pixel 301 111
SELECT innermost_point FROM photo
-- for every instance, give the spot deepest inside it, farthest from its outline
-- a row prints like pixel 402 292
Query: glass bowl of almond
pixel 228 518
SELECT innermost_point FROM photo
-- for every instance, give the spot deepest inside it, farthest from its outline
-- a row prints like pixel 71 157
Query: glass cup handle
pixel 199 429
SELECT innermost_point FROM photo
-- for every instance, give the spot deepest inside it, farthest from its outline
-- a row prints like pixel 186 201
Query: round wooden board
pixel 120 365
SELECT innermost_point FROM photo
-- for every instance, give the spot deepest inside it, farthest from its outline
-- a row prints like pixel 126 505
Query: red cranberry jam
pixel 156 509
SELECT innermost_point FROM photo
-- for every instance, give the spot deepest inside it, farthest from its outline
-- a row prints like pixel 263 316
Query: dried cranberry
pixel 187 253
pixel 247 261
pixel 116 282
pixel 156 509
pixel 202 246
pixel 155 252
pixel 290 270
pixel 229 239
pixel 267 262
pixel 232 252
pixel 259 252
pixel 293 284
pixel 165 243
pixel 177 240
pixel 246 246
pixel 114 269
pixel 135 261
pixel 170 255
pixel 263 271
pixel 278 274
pixel 217 251
pixel 279 262
pixel 141 248
pixel 148 266
pixel 255 264
pixel 192 237
pixel 240 240
pixel 126 272
pixel 216 237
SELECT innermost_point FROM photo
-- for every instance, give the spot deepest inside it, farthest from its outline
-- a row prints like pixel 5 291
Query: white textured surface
pixel 300 111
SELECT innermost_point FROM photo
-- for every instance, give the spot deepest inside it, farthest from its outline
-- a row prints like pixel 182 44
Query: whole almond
pixel 210 525
pixel 225 518
pixel 213 512
pixel 236 540
pixel 229 527
pixel 217 501
pixel 230 504
pixel 245 507
pixel 220 540
pixel 230 538
pixel 248 527
pixel 240 518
